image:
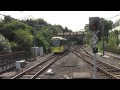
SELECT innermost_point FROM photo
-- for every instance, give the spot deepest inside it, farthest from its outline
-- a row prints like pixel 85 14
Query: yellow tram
pixel 58 44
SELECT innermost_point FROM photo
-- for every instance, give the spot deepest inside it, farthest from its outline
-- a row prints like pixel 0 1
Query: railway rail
pixel 34 71
pixel 108 70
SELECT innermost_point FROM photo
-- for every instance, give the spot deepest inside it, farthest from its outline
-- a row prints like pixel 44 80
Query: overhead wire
pixel 113 16
pixel 107 13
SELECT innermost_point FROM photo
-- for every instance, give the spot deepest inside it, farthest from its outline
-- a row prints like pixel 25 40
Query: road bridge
pixel 74 36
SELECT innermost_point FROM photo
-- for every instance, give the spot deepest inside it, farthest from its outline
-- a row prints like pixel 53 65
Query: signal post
pixel 94 26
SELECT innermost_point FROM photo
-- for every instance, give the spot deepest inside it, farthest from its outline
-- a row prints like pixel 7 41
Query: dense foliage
pixel 4 44
pixel 18 35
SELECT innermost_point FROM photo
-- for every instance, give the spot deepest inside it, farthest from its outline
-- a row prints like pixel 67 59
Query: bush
pixel 14 46
pixel 100 46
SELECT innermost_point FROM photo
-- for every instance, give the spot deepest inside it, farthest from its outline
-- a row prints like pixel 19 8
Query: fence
pixel 11 57
pixel 2 52
pixel 113 50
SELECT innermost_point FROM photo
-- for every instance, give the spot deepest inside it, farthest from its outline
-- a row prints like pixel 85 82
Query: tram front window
pixel 55 43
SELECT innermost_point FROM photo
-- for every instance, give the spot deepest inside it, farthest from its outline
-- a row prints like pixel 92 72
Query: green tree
pixel 4 44
pixel 88 35
pixel 24 41
pixel 114 37
pixel 41 41
pixel 107 27
pixel 7 18
pixel 66 29
pixel 58 28
pixel 20 32
pixel 8 29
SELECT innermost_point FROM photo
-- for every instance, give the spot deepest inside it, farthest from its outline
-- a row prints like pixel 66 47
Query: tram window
pixel 55 43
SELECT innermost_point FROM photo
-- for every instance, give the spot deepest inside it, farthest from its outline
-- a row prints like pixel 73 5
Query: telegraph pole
pixel 34 44
pixel 102 21
pixel 34 33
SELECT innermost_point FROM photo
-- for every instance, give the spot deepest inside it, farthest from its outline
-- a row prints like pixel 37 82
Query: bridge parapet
pixel 71 33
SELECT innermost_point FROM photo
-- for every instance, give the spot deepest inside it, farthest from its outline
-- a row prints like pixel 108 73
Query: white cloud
pixel 74 20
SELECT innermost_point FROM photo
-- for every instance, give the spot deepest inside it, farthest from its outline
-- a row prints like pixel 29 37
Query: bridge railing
pixel 11 57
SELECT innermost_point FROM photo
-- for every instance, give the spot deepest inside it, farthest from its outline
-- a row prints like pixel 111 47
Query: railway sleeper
pixel 117 76
pixel 23 78
pixel 101 74
pixel 40 76
pixel 106 68
pixel 115 73
pixel 30 73
pixel 103 65
pixel 112 70
pixel 27 76
pixel 108 74
pixel 35 70
pixel 105 77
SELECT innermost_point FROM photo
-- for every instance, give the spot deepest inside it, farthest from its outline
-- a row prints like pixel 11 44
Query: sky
pixel 74 20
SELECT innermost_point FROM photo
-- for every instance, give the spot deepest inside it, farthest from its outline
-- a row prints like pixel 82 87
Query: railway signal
pixel 94 23
pixel 94 26
pixel 94 38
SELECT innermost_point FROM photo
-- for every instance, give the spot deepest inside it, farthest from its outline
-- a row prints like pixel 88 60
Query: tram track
pixel 110 71
pixel 35 71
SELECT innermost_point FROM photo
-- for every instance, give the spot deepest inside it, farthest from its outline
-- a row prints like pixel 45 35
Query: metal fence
pixel 11 57
pixel 113 50
pixel 3 52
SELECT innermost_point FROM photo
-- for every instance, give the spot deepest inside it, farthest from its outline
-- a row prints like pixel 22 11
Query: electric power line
pixel 107 13
pixel 113 16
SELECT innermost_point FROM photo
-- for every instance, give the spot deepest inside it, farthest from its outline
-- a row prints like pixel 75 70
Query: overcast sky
pixel 74 20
